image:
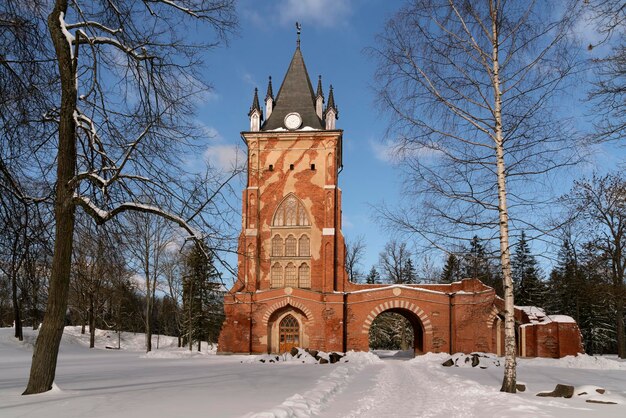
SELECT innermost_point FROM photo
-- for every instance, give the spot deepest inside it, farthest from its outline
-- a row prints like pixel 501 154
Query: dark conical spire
pixel 331 101
pixel 270 91
pixel 295 95
pixel 255 103
pixel 320 93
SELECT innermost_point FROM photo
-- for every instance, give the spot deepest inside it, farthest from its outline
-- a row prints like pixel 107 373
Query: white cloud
pixel 323 13
pixel 225 156
pixel 392 152
pixel 249 79
pixel 384 151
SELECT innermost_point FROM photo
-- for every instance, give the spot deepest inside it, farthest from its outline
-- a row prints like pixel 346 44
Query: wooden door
pixel 289 332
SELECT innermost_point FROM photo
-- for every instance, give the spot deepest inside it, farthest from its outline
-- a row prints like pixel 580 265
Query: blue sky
pixel 334 36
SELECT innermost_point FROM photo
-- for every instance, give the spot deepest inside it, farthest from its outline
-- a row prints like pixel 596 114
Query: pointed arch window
pixel 291 279
pixel 277 246
pixel 290 246
pixel 304 275
pixel 277 275
pixel 304 246
pixel 291 212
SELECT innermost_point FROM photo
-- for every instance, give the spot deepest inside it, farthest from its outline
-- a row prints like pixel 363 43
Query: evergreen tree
pixel 566 283
pixel 529 289
pixel 597 310
pixel 373 277
pixel 202 299
pixel 451 271
pixel 391 331
pixel 477 265
pixel 409 275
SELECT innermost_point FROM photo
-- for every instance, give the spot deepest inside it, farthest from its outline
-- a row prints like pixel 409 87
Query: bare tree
pixel 470 87
pixel 355 250
pixel 609 87
pixel 392 262
pixel 113 119
pixel 600 203
pixel 148 237
pixel 173 272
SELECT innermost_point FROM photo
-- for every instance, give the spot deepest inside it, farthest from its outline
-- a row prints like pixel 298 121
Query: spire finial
pixel 298 30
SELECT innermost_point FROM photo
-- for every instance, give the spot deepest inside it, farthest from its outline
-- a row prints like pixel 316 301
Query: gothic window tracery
pixel 277 275
pixel 291 212
pixel 304 275
pixel 290 246
pixel 277 246
pixel 291 279
pixel 304 246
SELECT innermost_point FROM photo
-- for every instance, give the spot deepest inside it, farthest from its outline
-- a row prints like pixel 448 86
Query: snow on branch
pixel 103 40
pixel 92 24
pixel 68 36
pixel 101 215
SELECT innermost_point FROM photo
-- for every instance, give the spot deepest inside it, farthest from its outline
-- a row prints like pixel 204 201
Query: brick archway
pixel 288 302
pixel 398 305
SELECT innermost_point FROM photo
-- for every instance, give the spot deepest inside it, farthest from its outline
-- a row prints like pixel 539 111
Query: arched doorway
pixel 398 331
pixel 498 336
pixel 289 333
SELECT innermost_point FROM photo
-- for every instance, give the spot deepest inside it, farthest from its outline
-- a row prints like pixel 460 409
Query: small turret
pixel 269 99
pixel 332 113
pixel 255 113
pixel 319 99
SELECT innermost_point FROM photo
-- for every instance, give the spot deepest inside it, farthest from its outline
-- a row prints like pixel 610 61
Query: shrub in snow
pixel 307 356
pixel 481 360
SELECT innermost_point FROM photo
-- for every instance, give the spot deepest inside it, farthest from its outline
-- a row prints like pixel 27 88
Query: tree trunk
pixel 148 322
pixel 509 380
pixel 619 323
pixel 33 311
pixel 46 349
pixel 92 323
pixel 17 318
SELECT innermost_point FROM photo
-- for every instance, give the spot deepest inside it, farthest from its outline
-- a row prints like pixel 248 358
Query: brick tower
pixel 291 248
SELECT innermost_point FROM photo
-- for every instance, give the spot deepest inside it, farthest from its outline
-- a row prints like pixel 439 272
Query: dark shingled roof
pixel 295 95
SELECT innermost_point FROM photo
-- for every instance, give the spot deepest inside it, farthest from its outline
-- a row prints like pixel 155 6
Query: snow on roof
pixel 538 316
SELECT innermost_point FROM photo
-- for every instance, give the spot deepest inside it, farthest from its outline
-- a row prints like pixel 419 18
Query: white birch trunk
pixel 508 382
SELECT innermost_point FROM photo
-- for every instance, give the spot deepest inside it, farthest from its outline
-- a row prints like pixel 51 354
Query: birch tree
pixel 470 87
pixel 112 103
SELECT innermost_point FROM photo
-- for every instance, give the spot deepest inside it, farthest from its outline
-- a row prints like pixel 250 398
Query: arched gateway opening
pixel 398 330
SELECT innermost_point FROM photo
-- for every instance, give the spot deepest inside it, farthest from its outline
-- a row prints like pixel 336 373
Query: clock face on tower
pixel 293 120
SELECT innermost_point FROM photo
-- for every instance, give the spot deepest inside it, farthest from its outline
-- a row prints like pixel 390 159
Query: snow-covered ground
pixel 174 382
